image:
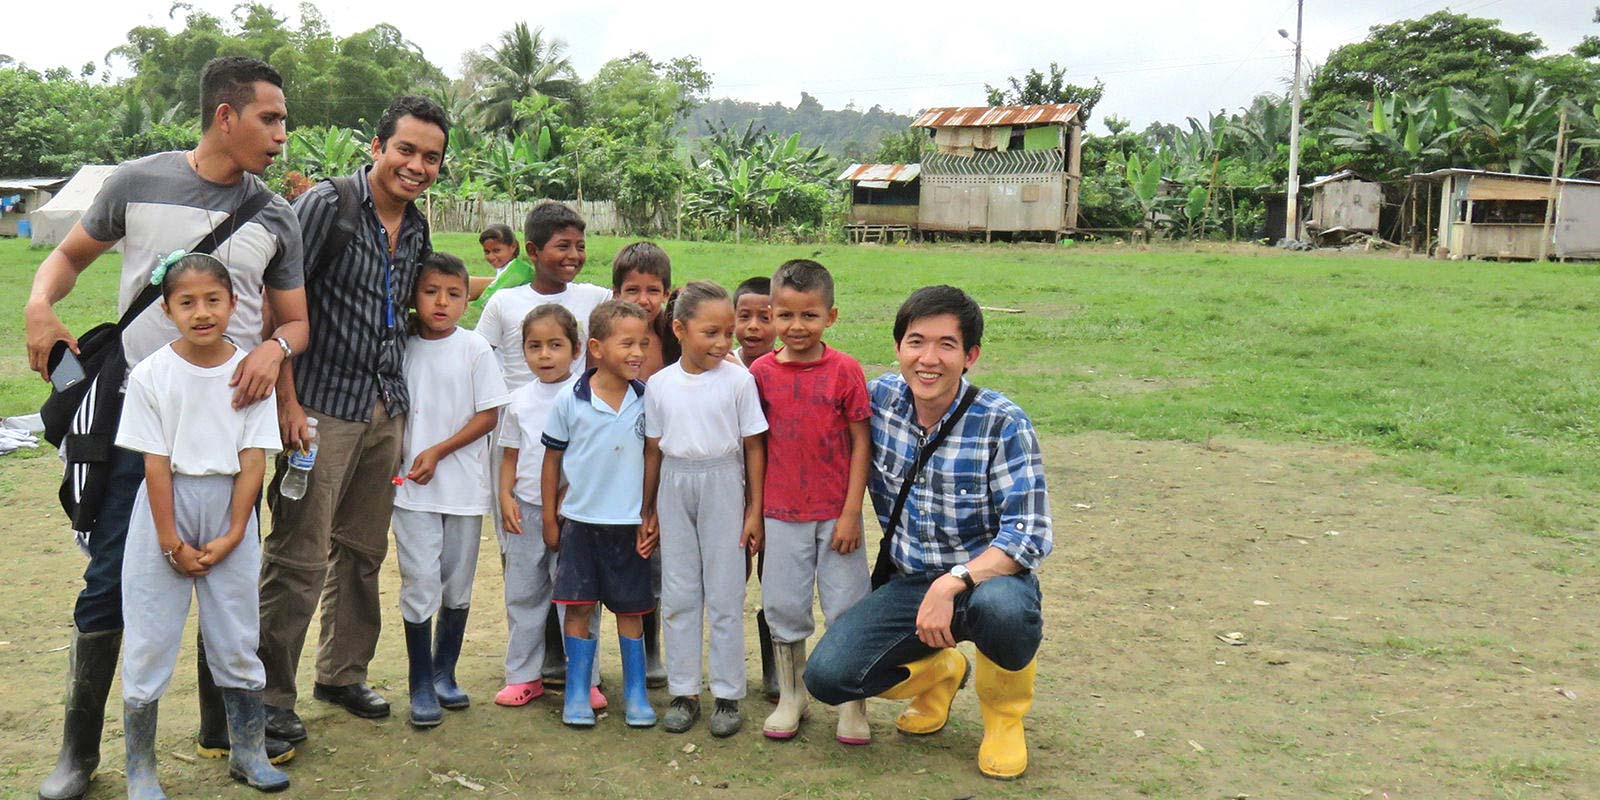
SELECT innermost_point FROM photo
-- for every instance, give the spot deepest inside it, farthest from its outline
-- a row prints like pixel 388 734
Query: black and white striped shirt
pixel 357 308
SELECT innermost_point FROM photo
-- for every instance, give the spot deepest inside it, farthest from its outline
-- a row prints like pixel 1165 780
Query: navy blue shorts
pixel 598 564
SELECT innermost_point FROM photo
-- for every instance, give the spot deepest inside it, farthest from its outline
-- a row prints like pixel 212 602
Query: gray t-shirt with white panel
pixel 158 204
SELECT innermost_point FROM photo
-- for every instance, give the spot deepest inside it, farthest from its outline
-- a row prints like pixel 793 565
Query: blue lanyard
pixel 388 273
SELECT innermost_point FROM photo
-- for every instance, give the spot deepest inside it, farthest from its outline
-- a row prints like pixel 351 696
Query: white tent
pixel 55 218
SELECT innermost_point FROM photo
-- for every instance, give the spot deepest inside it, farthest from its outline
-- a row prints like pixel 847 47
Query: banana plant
pixel 325 152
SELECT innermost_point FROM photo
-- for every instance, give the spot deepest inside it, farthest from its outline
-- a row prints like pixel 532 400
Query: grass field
pixel 1382 471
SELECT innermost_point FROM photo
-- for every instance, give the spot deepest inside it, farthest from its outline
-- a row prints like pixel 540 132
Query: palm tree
pixel 523 64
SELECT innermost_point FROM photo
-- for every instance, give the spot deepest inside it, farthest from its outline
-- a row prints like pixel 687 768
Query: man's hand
pixel 754 536
pixel 43 329
pixel 292 424
pixel 938 607
pixel 649 535
pixel 255 376
pixel 846 535
pixel 511 514
pixel 423 466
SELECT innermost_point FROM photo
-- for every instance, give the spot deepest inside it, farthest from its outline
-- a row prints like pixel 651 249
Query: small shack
pixel 52 221
pixel 1344 201
pixel 19 197
pixel 1012 169
pixel 883 200
pixel 1501 215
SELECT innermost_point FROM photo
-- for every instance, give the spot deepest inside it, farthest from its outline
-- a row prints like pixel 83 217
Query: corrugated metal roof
pixel 893 173
pixel 29 184
pixel 991 116
pixel 1440 174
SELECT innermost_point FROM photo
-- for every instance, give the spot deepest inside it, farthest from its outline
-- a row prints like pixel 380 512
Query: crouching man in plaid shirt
pixel 964 548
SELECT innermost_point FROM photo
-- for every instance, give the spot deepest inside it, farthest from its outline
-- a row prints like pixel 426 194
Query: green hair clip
pixel 160 272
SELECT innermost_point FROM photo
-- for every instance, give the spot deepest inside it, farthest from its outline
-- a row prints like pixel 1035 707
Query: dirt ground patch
pixel 1391 642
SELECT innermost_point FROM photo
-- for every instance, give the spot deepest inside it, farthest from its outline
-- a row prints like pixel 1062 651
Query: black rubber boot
pixel 425 711
pixel 655 672
pixel 247 733
pixel 554 670
pixel 212 741
pixel 139 734
pixel 769 675
pixel 448 633
pixel 93 662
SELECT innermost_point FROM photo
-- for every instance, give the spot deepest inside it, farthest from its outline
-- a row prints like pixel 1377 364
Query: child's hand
pixel 511 515
pixel 423 465
pixel 755 535
pixel 212 552
pixel 552 532
pixel 649 536
pixel 846 535
pixel 186 562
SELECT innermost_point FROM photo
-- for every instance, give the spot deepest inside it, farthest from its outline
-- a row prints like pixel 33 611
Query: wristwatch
pixel 284 343
pixel 961 571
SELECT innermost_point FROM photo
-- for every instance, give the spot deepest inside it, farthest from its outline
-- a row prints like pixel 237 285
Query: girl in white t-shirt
pixel 703 435
pixel 550 341
pixel 456 390
pixel 193 530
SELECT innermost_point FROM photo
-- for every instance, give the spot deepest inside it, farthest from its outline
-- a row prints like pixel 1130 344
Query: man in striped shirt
pixel 974 527
pixel 331 542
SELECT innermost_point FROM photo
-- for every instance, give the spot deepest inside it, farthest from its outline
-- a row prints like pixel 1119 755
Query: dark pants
pixel 863 652
pixel 99 605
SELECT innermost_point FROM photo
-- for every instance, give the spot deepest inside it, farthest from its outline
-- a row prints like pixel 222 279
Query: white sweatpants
pixel 798 562
pixel 155 598
pixel 438 560
pixel 701 508
pixel 530 582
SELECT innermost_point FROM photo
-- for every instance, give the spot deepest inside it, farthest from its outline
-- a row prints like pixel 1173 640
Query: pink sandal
pixel 519 694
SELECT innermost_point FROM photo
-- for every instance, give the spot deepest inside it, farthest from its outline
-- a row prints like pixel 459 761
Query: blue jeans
pixel 863 653
pixel 99 606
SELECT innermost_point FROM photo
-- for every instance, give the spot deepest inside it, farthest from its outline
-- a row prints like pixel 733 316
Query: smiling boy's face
pixel 621 353
pixel 753 322
pixel 560 260
pixel 645 291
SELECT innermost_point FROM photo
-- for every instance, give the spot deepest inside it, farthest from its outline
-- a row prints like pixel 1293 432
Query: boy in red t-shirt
pixel 818 445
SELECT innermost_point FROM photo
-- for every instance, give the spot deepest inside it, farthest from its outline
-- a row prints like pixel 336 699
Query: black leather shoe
pixel 284 724
pixel 357 698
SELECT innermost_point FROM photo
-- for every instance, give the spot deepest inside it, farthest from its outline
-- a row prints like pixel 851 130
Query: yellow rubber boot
pixel 931 688
pixel 1004 697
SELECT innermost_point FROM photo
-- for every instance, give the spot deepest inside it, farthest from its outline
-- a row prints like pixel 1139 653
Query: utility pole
pixel 1292 224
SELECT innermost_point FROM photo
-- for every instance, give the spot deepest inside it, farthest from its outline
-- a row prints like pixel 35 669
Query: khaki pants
pixel 329 543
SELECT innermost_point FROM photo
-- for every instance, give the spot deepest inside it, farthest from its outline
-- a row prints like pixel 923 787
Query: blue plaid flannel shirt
pixel 983 487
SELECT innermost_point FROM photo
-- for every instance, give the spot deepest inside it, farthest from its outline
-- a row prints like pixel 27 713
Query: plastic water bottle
pixel 300 464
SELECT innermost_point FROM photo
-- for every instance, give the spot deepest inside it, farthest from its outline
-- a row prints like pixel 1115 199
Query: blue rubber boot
pixel 575 710
pixel 638 713
pixel 450 627
pixel 247 742
pixel 425 711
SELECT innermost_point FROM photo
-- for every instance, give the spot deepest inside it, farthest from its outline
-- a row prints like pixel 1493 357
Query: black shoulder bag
pixel 82 421
pixel 883 570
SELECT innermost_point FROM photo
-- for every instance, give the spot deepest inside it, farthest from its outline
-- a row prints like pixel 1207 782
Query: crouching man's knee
pixel 1004 620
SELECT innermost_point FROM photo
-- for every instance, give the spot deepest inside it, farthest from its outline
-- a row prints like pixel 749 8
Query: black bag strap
pixel 346 222
pixel 884 568
pixel 243 214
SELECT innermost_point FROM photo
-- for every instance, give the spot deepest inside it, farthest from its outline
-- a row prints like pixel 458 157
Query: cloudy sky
pixel 1160 59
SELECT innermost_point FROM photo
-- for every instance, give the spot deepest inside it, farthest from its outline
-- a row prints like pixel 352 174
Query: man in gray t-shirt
pixel 154 205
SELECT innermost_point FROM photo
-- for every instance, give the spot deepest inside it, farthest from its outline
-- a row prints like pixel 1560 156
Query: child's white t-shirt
pixel 185 412
pixel 523 428
pixel 501 324
pixel 449 381
pixel 705 415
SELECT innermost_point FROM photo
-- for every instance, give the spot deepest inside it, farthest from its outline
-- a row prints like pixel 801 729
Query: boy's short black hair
pixel 756 285
pixel 498 232
pixel 411 105
pixel 804 275
pixel 232 80
pixel 546 219
pixel 443 263
pixel 605 316
pixel 645 258
pixel 932 301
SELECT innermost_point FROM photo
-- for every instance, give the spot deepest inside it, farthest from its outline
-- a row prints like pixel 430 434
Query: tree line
pixel 1445 89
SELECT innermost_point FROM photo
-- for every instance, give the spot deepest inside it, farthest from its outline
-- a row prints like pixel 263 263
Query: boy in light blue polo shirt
pixel 595 437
